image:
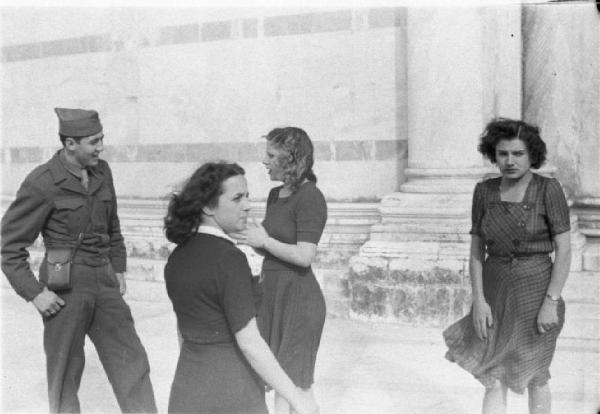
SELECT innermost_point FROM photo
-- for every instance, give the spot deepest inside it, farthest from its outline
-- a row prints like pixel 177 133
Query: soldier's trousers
pixel 94 307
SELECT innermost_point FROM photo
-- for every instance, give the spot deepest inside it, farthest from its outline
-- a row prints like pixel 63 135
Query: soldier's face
pixel 87 150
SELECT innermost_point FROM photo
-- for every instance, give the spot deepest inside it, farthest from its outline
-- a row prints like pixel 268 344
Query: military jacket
pixel 53 202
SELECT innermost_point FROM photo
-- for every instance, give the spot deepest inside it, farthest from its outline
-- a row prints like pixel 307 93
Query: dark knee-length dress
pixel 210 284
pixel 516 273
pixel 292 314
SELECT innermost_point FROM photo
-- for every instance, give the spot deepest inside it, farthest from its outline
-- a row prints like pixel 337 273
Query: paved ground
pixel 362 368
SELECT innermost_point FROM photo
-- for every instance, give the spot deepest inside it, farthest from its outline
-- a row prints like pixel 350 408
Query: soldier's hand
pixel 48 303
pixel 122 283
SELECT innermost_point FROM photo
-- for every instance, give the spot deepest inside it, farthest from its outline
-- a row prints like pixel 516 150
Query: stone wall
pixel 176 87
pixel 562 96
pixel 147 248
pixel 394 99
pixel 414 268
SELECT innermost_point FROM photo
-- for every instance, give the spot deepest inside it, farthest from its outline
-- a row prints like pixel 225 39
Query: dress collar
pixel 214 231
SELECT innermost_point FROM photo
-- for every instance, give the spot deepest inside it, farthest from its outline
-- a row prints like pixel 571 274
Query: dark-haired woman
pixel 210 285
pixel 509 337
pixel 292 314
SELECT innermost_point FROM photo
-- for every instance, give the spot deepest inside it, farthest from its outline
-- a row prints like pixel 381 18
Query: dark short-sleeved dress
pixel 516 273
pixel 210 285
pixel 292 314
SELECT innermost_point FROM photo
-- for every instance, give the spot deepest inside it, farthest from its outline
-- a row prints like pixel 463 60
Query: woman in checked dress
pixel 509 337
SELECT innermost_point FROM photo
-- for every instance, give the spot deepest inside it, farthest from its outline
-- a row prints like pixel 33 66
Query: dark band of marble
pixel 284 25
pixel 239 151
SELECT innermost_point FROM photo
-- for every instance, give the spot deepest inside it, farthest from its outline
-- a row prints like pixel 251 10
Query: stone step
pixel 582 321
pixel 334 281
pixel 591 258
pixel 146 291
pixel 150 270
pixel 582 287
pixel 338 308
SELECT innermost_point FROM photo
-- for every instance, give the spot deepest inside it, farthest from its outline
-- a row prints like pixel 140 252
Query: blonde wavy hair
pixel 297 160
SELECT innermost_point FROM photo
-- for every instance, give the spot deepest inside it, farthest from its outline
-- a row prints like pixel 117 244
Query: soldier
pixel 71 200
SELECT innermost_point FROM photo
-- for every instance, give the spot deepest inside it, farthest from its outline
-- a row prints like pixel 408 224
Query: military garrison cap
pixel 77 122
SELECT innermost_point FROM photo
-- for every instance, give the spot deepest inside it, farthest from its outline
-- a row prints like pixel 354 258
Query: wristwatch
pixel 553 298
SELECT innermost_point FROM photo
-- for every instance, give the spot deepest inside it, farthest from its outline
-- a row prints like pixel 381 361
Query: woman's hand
pixel 304 402
pixel 122 283
pixel 256 236
pixel 482 318
pixel 547 318
pixel 240 236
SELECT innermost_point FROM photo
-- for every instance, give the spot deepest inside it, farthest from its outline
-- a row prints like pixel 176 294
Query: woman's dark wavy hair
pixel 504 128
pixel 202 189
pixel 298 162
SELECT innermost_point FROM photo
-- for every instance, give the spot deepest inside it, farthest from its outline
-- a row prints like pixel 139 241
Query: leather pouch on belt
pixel 58 268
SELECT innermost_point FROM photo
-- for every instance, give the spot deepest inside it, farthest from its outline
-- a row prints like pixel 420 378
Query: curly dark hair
pixel 504 128
pixel 202 189
pixel 298 163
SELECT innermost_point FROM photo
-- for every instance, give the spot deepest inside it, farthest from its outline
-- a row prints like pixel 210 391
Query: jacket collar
pixel 68 181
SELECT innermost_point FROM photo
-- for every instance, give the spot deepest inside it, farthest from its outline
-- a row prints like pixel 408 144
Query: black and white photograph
pixel 300 207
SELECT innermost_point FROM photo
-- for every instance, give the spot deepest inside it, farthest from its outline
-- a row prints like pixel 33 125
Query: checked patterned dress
pixel 516 273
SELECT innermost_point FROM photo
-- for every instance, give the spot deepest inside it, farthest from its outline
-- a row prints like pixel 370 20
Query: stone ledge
pixel 591 257
pixel 340 150
pixel 402 290
pixel 431 305
pixel 582 287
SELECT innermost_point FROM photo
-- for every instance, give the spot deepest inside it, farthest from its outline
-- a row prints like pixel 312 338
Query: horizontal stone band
pixel 374 150
pixel 282 25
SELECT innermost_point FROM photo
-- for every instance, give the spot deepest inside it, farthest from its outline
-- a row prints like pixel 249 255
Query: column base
pixel 444 180
pixel 588 212
pixel 578 245
pixel 418 283
pixel 414 267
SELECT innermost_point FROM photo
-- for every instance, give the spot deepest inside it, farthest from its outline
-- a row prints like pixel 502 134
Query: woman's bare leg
pixel 494 400
pixel 539 399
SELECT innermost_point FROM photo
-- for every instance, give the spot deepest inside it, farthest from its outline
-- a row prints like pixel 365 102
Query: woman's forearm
pixel 262 360
pixel 562 264
pixel 476 268
pixel 475 271
pixel 300 254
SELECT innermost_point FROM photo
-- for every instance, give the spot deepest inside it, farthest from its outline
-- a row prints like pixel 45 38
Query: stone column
pixel 562 96
pixel 463 68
